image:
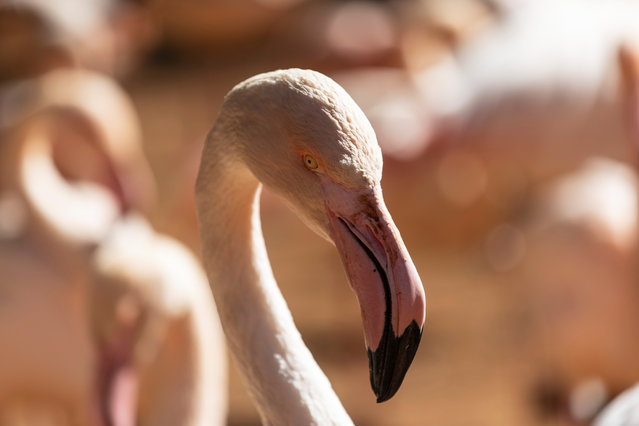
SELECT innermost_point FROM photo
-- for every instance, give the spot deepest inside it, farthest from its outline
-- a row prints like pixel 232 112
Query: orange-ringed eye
pixel 310 162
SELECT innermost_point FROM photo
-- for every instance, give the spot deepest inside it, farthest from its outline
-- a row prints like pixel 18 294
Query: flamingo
pixel 117 162
pixel 624 409
pixel 163 359
pixel 300 134
pixel 96 324
pixel 582 245
pixel 581 292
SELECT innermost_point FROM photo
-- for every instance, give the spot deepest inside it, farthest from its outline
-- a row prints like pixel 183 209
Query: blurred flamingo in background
pixel 580 267
pixel 108 322
pixel 481 73
pixel 624 410
pixel 302 135
pixel 580 287
pixel 117 162
pixel 535 94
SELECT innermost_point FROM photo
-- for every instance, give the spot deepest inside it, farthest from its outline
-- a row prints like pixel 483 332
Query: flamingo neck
pixel 284 380
pixel 78 213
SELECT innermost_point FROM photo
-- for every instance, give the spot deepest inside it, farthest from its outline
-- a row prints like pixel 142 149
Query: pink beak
pixel 383 276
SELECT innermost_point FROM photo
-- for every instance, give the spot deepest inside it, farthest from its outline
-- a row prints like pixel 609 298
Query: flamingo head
pixel 305 138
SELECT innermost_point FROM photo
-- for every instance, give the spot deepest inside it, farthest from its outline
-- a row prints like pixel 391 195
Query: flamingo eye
pixel 310 162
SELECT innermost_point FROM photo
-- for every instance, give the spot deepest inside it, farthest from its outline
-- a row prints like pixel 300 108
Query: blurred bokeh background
pixel 510 130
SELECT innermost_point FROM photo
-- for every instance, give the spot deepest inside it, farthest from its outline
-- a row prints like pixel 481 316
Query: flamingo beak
pixel 384 279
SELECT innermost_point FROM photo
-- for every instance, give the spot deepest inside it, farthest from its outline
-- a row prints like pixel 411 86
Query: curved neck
pixel 76 213
pixel 283 378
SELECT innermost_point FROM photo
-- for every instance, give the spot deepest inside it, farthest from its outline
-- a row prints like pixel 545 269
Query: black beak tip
pixel 390 361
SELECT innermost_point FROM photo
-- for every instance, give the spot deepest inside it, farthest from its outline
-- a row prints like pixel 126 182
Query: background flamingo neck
pixel 78 212
pixel 279 371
